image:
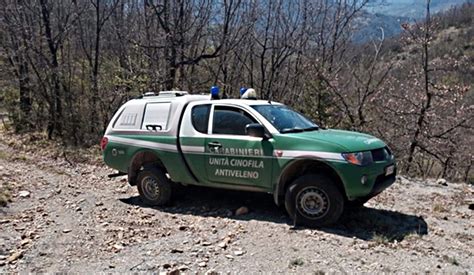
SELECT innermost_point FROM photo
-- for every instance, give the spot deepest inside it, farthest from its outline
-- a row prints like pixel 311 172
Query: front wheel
pixel 153 186
pixel 314 200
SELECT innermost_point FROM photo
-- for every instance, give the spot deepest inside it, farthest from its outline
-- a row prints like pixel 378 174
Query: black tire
pixel 314 200
pixel 153 186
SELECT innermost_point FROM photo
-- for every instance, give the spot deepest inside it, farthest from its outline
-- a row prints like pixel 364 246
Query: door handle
pixel 214 144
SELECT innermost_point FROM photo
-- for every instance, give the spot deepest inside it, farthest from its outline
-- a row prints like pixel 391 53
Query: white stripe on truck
pixel 192 149
pixel 303 154
pixel 143 143
pixel 201 149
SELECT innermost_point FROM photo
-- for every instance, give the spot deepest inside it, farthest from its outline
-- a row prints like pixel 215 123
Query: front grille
pixel 381 154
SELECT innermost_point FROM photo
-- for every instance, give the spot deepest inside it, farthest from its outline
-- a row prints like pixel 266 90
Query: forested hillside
pixel 66 66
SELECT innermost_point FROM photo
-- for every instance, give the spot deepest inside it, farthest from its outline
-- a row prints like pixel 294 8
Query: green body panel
pixel 251 167
pixel 338 141
pixel 351 176
pixel 318 141
pixel 196 161
pixel 261 169
pixel 244 161
pixel 172 160
pixel 121 160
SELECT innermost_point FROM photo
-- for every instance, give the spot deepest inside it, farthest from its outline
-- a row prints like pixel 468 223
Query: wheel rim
pixel 313 203
pixel 151 189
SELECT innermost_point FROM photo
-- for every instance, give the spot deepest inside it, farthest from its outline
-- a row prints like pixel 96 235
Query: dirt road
pixel 67 216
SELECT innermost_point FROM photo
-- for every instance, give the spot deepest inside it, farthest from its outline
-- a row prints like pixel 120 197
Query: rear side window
pixel 130 118
pixel 200 117
pixel 156 114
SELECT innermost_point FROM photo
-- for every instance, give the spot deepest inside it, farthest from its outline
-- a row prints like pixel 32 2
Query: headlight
pixel 358 158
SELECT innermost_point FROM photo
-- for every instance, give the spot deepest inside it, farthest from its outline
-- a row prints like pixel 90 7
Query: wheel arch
pixel 303 166
pixel 139 160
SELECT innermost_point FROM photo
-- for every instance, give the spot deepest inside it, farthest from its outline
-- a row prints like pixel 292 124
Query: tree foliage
pixel 66 66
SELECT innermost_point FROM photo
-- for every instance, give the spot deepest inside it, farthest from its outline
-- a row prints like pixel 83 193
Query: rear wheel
pixel 314 200
pixel 153 186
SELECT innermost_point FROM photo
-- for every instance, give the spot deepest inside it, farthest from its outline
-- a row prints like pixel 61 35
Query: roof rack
pixel 173 93
pixel 164 94
pixel 149 94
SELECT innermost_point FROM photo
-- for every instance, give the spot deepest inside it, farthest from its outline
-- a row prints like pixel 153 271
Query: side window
pixel 130 118
pixel 200 117
pixel 230 121
pixel 156 114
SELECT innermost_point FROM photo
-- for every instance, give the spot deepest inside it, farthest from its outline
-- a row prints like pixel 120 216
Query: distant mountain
pixel 370 26
pixel 414 9
pixel 390 14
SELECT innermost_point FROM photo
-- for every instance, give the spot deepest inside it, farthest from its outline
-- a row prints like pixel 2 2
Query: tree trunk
pixel 94 120
pixel 55 113
pixel 427 105
pixel 25 97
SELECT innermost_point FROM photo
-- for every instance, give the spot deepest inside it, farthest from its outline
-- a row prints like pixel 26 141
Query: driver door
pixel 233 157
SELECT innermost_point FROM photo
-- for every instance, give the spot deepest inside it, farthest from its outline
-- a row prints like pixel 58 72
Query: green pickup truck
pixel 245 144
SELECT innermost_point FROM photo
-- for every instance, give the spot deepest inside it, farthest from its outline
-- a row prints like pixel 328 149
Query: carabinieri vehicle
pixel 245 144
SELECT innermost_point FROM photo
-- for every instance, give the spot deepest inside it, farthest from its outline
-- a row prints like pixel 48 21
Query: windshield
pixel 284 119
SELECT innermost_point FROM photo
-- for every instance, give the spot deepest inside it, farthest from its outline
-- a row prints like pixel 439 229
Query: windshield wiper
pixel 291 130
pixel 313 128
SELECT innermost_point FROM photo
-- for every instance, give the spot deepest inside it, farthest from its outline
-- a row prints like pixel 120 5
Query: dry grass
pixel 3 155
pixel 4 191
pixel 450 260
pixel 39 144
pixel 439 208
pixel 381 239
pixel 5 196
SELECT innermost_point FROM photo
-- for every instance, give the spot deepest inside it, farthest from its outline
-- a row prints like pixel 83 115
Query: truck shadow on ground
pixel 363 223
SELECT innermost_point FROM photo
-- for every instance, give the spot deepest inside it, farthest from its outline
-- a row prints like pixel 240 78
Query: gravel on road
pixel 67 216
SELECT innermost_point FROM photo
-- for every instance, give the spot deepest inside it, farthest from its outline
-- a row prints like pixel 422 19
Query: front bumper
pixel 382 182
pixel 376 182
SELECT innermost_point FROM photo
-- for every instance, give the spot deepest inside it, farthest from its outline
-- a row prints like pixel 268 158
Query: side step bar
pixel 118 174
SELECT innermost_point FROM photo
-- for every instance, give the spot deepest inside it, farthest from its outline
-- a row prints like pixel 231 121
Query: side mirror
pixel 255 130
